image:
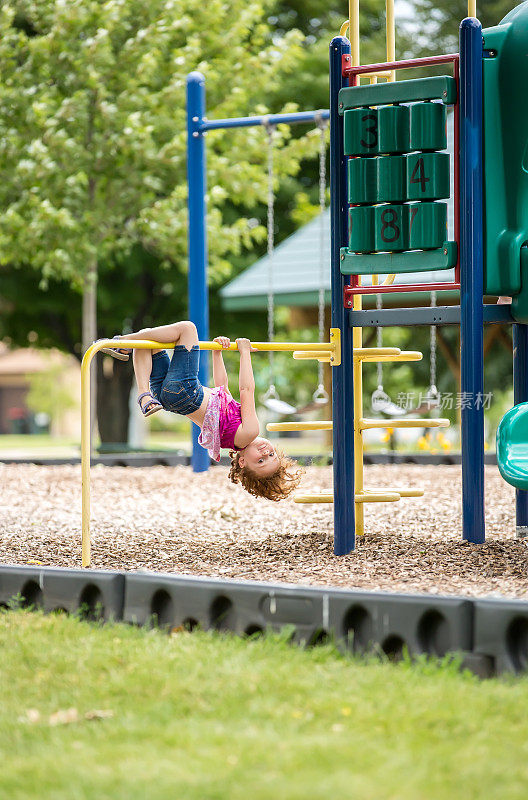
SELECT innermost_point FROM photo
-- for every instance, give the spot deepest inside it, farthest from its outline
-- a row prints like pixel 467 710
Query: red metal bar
pixel 353 73
pixel 349 70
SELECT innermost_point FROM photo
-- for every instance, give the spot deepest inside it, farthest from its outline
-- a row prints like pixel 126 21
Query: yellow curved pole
pixel 85 453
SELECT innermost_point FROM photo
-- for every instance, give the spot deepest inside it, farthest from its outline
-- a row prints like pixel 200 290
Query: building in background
pixel 55 375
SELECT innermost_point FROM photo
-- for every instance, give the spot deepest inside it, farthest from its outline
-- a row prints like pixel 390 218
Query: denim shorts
pixel 174 382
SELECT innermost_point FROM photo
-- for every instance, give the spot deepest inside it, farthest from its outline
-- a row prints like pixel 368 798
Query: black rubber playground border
pixel 490 635
pixel 177 459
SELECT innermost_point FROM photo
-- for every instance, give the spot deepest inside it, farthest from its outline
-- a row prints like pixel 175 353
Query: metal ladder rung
pixel 367 496
pixel 319 425
pixel 401 492
pixel 313 354
pixel 405 355
pixel 415 422
pixel 372 353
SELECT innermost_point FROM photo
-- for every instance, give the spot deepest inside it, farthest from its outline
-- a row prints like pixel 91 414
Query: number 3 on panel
pixel 370 132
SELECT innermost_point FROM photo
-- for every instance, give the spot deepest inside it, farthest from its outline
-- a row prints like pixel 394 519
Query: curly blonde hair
pixel 276 486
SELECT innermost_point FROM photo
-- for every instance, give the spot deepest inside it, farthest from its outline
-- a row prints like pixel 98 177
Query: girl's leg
pixel 184 333
pixel 142 368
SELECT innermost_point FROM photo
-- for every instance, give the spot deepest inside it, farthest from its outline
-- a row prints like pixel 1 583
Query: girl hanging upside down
pixel 173 384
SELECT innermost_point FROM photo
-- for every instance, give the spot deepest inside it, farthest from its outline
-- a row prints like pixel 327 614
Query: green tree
pixel 93 145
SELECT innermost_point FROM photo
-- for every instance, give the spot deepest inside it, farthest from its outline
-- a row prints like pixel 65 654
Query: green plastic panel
pixel 361 229
pixel 362 180
pixel 428 126
pixel 393 129
pixel 505 78
pixel 398 263
pixel 391 227
pixel 390 179
pixel 427 176
pixel 442 87
pixel 427 225
pixel 512 446
pixel 361 132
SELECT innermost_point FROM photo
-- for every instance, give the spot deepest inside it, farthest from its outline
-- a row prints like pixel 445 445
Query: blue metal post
pixel 520 395
pixel 472 281
pixel 342 376
pixel 198 295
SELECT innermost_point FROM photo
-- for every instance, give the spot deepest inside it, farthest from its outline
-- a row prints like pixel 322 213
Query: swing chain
pixel 433 394
pixel 270 129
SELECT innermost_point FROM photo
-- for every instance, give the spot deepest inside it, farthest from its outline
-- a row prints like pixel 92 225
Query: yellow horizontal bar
pixel 374 496
pixel 360 353
pixel 405 355
pixel 305 354
pixel 382 496
pixel 144 344
pixel 313 498
pixel 382 73
pixel 322 425
pixel 417 422
pixel 401 492
pixel 360 497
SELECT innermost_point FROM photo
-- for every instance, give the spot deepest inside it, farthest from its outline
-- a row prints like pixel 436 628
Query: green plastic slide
pixel 512 446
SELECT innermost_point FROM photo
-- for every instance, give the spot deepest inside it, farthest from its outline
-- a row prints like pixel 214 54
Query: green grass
pixel 206 716
pixel 35 441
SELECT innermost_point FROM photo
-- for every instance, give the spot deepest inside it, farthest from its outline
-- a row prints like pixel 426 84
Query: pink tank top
pixel 230 419
pixel 222 419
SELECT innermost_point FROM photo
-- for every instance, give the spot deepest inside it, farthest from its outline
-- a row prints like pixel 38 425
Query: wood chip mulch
pixel 168 519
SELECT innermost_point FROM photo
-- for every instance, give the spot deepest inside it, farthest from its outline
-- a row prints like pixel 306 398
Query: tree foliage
pixel 93 149
pixel 436 23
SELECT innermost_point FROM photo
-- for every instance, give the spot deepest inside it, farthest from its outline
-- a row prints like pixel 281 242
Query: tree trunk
pixel 89 333
pixel 114 381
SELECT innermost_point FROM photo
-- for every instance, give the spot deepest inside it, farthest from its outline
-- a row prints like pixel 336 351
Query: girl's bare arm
pixel 246 383
pixel 219 370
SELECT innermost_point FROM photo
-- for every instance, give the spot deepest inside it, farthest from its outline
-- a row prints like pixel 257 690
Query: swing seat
pixel 512 446
pixel 280 407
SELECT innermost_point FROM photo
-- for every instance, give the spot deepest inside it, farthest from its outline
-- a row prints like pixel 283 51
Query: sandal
pixel 122 353
pixel 151 406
